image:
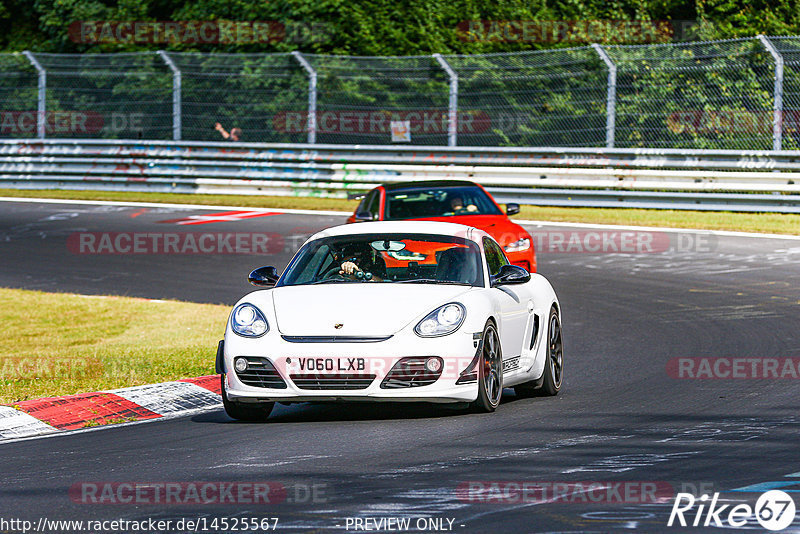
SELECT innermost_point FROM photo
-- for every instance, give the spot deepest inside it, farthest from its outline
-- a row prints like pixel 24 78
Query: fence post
pixel 777 113
pixel 41 113
pixel 176 95
pixel 611 96
pixel 312 96
pixel 452 112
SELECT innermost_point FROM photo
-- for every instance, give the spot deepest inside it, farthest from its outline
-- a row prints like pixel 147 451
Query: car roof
pixel 403 227
pixel 422 184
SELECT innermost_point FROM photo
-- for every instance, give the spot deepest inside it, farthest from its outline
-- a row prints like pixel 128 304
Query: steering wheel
pixel 333 274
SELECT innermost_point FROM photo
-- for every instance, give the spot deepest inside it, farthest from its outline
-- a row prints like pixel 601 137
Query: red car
pixel 450 201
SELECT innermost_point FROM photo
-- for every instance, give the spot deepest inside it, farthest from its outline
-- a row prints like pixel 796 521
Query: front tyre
pixel 254 413
pixel 490 376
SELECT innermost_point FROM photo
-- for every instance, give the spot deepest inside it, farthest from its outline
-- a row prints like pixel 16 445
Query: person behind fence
pixel 234 135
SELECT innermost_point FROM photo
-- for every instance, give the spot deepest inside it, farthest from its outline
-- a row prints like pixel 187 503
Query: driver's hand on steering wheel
pixel 349 268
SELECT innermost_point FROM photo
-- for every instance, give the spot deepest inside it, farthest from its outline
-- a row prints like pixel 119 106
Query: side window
pixel 313 265
pixel 373 206
pixel 364 204
pixel 495 258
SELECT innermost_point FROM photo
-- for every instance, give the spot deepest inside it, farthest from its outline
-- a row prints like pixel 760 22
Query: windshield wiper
pixel 333 280
pixel 431 281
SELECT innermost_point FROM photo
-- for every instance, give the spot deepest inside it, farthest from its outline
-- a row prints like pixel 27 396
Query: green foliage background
pixel 379 27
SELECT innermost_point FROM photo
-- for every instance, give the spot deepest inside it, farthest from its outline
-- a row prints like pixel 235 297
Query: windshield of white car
pixel 423 203
pixel 386 258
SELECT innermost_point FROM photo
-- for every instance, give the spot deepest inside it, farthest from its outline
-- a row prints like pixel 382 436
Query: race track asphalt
pixel 621 421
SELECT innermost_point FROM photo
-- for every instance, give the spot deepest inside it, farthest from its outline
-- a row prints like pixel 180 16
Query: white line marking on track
pixel 483 458
pixel 251 462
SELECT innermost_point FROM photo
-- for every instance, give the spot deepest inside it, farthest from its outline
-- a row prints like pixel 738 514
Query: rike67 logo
pixel 774 510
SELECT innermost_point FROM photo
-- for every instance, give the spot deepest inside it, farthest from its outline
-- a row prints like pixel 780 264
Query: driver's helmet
pixel 363 255
pixel 358 253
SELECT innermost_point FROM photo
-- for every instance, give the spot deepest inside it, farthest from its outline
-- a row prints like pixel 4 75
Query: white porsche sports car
pixel 392 311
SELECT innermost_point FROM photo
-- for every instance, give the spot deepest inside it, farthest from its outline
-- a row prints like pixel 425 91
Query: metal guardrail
pixel 594 177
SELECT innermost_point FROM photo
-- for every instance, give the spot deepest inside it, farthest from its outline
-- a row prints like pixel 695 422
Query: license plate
pixel 331 365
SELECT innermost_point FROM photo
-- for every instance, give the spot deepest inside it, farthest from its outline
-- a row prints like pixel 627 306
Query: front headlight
pixel 441 321
pixel 248 321
pixel 518 246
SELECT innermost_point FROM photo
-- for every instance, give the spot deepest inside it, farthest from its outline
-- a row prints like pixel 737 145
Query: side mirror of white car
pixel 510 274
pixel 264 276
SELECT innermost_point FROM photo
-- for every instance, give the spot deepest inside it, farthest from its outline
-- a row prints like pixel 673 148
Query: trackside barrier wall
pixel 597 177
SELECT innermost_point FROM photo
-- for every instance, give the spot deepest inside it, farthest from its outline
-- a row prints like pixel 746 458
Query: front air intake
pixel 324 381
pixel 414 372
pixel 260 373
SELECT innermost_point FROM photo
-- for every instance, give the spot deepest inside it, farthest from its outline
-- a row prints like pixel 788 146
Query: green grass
pixel 743 222
pixel 60 344
pixel 118 421
pixel 770 223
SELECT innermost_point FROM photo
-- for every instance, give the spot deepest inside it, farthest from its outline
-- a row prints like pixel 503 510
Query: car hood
pixel 503 229
pixel 362 308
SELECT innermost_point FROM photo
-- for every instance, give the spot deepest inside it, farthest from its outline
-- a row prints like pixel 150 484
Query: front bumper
pixel 456 351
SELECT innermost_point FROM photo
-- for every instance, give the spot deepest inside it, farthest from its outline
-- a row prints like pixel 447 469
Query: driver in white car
pixel 361 262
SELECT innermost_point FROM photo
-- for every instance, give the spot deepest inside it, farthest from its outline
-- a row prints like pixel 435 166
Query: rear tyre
pixel 555 356
pixel 550 382
pixel 253 413
pixel 490 372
